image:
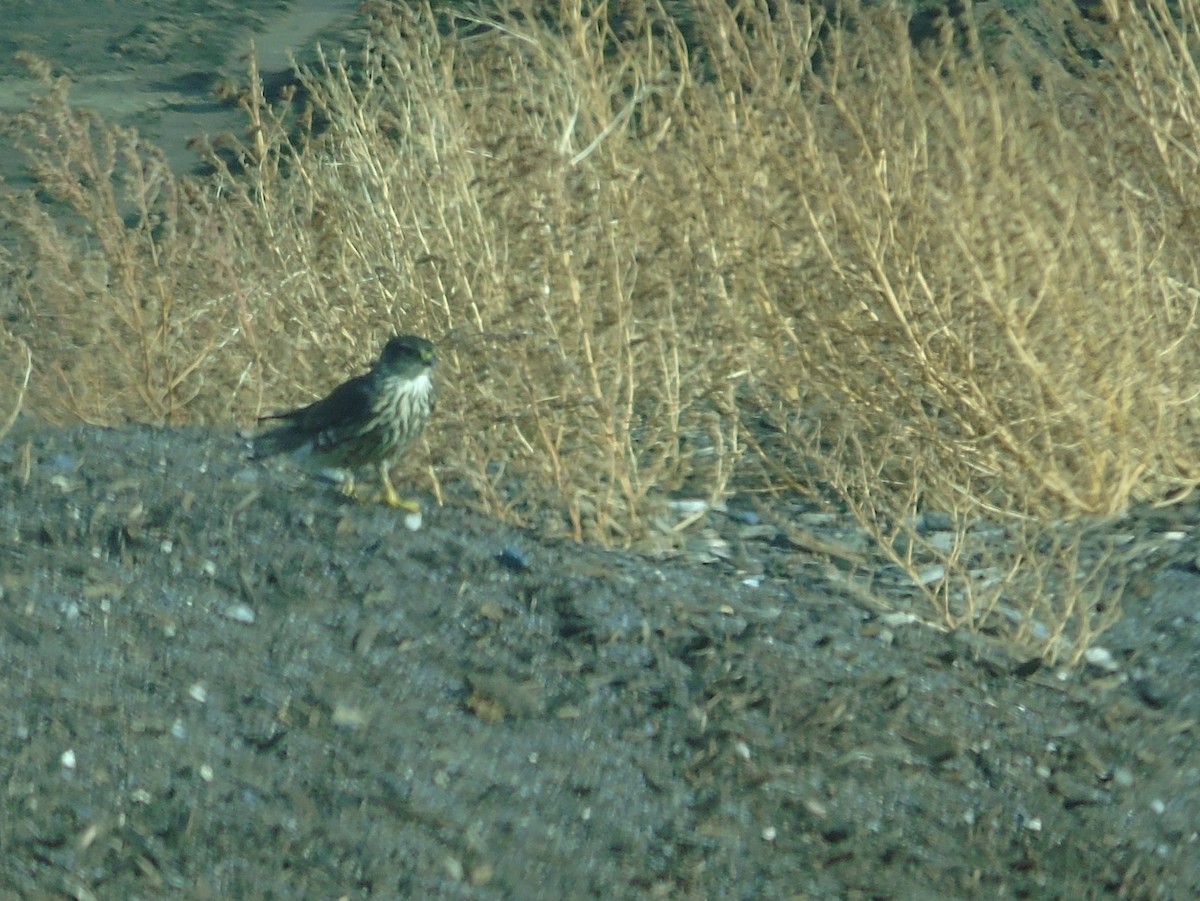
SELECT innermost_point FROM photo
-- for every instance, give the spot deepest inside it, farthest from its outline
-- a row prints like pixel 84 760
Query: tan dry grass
pixel 946 289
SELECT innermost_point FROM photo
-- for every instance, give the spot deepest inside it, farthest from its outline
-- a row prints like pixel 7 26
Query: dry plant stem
pixel 11 419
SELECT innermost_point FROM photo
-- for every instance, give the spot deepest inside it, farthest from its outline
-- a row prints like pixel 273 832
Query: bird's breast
pixel 404 404
pixel 396 388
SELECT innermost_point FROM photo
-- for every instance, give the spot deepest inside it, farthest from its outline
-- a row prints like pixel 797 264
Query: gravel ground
pixel 223 680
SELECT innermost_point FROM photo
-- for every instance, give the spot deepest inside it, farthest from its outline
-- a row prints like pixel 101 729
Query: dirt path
pixel 153 65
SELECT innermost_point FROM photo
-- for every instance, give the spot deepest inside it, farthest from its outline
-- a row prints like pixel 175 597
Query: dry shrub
pixel 491 191
pixel 992 311
pixel 118 285
pixel 945 285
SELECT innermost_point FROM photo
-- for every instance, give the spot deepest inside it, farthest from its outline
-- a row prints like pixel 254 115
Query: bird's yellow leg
pixel 389 495
pixel 346 484
pixel 347 488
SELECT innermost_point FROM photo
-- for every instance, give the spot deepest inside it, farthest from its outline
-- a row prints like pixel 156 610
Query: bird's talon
pixel 396 502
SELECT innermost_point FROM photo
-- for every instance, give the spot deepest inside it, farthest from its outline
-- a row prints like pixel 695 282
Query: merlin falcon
pixel 369 420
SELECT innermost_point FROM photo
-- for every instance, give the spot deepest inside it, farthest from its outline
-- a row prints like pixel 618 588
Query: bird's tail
pixel 281 440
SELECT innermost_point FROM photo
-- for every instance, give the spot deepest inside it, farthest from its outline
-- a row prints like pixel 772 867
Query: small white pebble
pixel 206 772
pixel 769 834
pixel 942 541
pixel 1034 824
pixel 742 750
pixel 68 759
pixel 1101 658
pixel 197 692
pixel 167 546
pixel 412 521
pixel 1123 777
pixel 931 574
pixel 1158 806
pixel 346 717
pixel 240 613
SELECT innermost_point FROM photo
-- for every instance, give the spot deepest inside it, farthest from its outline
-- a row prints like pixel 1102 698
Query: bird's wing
pixel 346 409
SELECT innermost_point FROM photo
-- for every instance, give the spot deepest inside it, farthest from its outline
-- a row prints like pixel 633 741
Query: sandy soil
pixel 153 65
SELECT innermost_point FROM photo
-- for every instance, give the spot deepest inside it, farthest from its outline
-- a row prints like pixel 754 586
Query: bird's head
pixel 407 356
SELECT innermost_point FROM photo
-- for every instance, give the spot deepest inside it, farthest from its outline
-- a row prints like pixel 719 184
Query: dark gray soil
pixel 223 680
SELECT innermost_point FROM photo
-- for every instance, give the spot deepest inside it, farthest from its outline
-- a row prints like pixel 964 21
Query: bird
pixel 370 419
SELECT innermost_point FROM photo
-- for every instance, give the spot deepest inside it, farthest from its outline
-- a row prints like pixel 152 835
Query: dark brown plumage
pixel 369 420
